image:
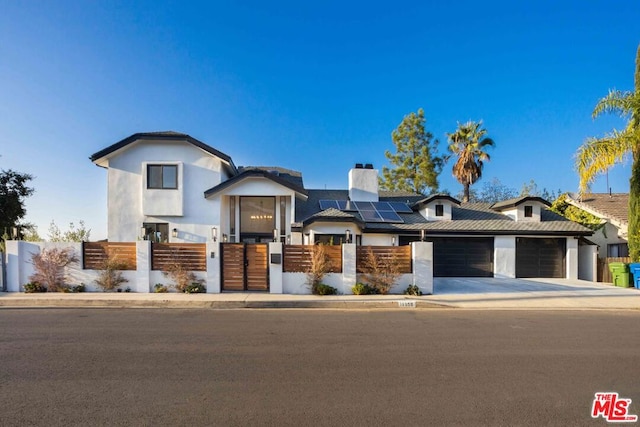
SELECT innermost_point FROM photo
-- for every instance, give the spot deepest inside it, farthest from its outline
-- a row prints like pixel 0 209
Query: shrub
pixel 110 276
pixel 322 289
pixel 413 290
pixel 34 287
pixel 182 277
pixel 320 266
pixel 363 289
pixel 195 288
pixel 78 288
pixel 381 272
pixel 49 267
pixel 159 288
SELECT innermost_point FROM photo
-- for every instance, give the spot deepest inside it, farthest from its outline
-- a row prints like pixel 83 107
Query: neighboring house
pixel 613 210
pixel 170 187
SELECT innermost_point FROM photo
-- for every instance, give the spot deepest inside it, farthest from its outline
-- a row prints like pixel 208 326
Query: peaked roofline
pixel 512 203
pixel 255 173
pixel 167 136
pixel 436 197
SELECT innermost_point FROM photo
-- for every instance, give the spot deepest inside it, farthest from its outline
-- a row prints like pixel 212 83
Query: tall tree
pixel 597 155
pixel 416 165
pixel 468 143
pixel 13 192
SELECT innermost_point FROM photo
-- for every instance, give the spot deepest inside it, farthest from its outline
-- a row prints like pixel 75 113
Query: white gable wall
pixel 130 203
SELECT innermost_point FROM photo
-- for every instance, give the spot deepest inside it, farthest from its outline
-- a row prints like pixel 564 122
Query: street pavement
pixel 464 293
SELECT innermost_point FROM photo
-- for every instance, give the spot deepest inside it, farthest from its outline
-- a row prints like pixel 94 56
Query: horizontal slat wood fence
pixel 193 256
pixel 604 274
pixel 401 255
pixel 94 254
pixel 297 258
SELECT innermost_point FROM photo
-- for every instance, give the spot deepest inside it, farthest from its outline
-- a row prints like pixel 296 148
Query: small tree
pixel 181 277
pixel 320 266
pixel 110 276
pixel 381 272
pixel 49 266
pixel 74 234
pixel 416 165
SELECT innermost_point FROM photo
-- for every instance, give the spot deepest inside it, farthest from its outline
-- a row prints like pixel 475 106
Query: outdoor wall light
pixel 288 239
pixel 225 238
pixel 275 234
pixel 143 232
pixel 214 234
pixel 347 236
pixel 14 233
pixel 393 241
pixel 423 235
pixel 174 232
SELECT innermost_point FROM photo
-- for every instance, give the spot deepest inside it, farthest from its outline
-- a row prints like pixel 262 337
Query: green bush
pixel 34 287
pixel 195 288
pixel 413 290
pixel 322 289
pixel 159 288
pixel 78 288
pixel 363 289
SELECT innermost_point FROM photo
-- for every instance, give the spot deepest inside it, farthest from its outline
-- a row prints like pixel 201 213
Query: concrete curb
pixel 385 304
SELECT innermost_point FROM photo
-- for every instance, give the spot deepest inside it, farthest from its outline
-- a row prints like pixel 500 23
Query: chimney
pixel 363 183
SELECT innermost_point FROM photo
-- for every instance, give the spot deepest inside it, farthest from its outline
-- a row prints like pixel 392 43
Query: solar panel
pixel 400 207
pixel 347 205
pixel 390 216
pixel 362 206
pixel 326 204
pixel 383 206
pixel 371 216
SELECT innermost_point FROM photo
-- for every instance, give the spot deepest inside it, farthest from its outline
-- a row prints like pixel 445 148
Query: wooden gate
pixel 245 267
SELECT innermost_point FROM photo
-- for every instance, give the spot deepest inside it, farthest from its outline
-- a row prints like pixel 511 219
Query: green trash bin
pixel 620 274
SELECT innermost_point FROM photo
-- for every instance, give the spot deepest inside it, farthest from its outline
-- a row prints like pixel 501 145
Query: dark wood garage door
pixel 462 256
pixel 540 257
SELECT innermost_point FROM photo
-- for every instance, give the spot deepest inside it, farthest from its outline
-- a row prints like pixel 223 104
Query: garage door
pixel 462 256
pixel 540 257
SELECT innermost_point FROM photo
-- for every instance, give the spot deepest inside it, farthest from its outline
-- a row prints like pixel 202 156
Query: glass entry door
pixel 257 219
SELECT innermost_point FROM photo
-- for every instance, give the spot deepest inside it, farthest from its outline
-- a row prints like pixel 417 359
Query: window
pixel 156 232
pixel 439 210
pixel 232 215
pixel 528 211
pixel 330 239
pixel 162 177
pixel 618 250
pixel 257 218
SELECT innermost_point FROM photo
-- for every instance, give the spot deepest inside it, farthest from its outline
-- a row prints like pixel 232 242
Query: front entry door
pixel 245 267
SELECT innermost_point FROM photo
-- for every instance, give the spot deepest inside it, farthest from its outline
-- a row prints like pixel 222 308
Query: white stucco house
pixel 170 187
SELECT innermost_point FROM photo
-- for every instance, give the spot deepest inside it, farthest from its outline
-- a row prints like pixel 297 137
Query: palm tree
pixel 597 155
pixel 468 143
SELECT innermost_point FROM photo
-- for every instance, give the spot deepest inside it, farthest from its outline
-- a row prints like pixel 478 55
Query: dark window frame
pixel 528 211
pixel 162 186
pixel 439 210
pixel 621 249
pixel 153 228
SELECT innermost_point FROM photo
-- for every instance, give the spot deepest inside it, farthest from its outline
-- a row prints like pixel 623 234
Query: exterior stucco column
pixel 349 273
pixel 422 258
pixel 275 268
pixel 143 266
pixel 572 258
pixel 213 267
pixel 504 257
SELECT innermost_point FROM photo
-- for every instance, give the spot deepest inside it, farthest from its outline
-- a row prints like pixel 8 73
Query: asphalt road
pixel 294 367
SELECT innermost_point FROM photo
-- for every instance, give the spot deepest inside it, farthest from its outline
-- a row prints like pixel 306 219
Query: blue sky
pixel 313 86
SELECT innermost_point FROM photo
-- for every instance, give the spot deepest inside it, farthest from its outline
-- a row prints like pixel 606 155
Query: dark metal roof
pixel 249 173
pixel 294 177
pixel 166 136
pixel 437 197
pixel 333 215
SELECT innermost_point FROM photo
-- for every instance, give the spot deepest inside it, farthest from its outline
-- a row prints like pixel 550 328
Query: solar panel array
pixel 370 211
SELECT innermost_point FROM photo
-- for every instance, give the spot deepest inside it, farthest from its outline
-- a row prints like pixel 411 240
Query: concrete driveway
pixel 532 293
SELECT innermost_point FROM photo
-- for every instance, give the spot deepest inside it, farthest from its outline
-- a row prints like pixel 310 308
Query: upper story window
pixel 439 210
pixel 162 177
pixel 528 211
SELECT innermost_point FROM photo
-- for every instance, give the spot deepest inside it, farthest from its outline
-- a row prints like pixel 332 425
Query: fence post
pixel 275 269
pixel 349 273
pixel 422 257
pixel 213 267
pixel 143 266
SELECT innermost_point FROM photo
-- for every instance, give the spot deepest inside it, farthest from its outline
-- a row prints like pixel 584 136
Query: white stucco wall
pixel 572 258
pixel 129 199
pixel 504 257
pixel 429 211
pixel 363 185
pixel 587 262
pixel 371 239
pixel 517 213
pixel 609 234
pixel 332 228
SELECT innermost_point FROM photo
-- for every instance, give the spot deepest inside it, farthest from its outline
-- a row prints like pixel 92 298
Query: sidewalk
pixel 474 293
